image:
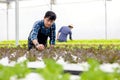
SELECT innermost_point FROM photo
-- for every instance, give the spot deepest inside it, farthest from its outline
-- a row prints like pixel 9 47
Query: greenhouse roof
pixel 5 1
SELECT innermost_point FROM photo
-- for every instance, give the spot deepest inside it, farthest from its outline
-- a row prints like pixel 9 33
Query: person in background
pixel 41 30
pixel 63 33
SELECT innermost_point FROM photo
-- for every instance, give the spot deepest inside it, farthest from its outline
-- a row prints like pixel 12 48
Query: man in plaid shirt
pixel 41 31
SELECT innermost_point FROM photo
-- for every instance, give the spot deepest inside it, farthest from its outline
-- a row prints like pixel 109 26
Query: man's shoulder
pixel 53 26
pixel 38 21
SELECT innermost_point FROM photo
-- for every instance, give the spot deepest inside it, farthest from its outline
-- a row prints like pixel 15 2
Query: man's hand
pixel 40 47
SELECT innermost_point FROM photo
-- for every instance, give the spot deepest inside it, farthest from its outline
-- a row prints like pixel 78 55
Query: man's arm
pixel 58 35
pixel 33 35
pixel 53 35
pixel 34 32
pixel 70 35
pixel 59 32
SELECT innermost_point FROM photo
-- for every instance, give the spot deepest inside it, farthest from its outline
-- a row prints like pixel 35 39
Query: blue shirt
pixel 46 31
pixel 64 31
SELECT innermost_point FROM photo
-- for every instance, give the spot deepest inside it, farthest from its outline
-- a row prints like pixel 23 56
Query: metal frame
pixel 106 34
pixel 6 1
pixel 17 22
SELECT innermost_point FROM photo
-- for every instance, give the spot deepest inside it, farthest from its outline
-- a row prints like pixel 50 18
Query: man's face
pixel 48 23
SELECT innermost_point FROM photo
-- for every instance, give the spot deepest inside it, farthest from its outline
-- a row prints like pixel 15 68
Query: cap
pixel 71 26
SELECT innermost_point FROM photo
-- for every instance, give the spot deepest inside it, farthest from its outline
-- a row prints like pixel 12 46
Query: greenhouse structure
pixel 92 53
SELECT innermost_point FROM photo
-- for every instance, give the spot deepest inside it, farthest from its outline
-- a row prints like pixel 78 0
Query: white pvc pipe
pixel 17 22
pixel 7 22
pixel 106 20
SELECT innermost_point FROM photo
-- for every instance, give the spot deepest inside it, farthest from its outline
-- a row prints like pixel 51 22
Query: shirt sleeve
pixel 53 34
pixel 35 30
pixel 60 29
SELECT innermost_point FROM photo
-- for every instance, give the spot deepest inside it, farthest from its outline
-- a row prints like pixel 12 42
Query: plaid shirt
pixel 40 25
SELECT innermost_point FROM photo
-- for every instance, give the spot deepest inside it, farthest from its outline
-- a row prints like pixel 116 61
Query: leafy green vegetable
pixel 94 73
pixel 21 69
pixel 5 72
pixel 53 71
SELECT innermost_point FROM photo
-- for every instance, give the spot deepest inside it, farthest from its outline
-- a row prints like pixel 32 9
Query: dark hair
pixel 51 15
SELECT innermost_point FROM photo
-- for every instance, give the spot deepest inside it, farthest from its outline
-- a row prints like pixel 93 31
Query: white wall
pixel 87 16
pixel 113 19
pixel 3 33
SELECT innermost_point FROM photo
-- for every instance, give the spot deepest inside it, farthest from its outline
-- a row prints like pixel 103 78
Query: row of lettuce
pixel 54 71
pixel 99 41
pixel 77 43
pixel 72 53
